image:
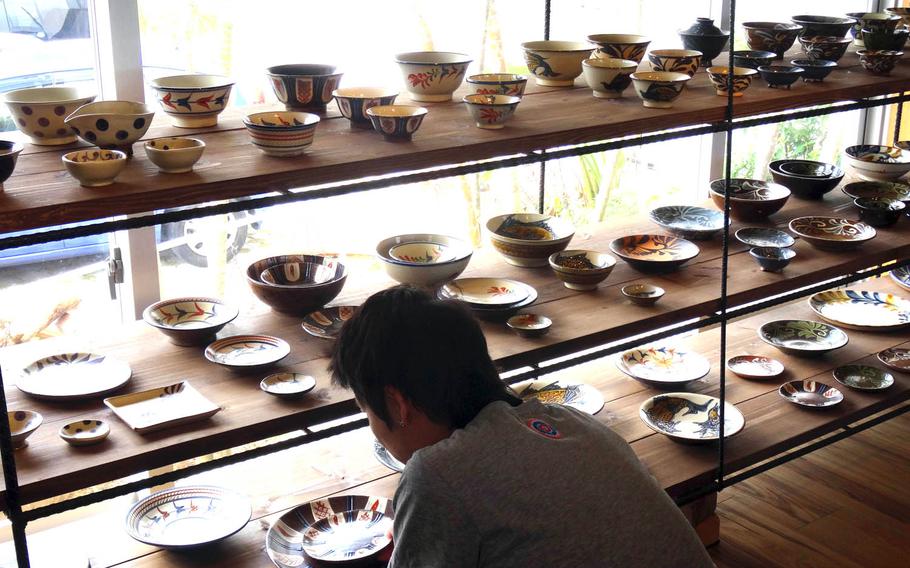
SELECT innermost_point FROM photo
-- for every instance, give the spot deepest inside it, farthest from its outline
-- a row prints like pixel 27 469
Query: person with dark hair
pixel 491 480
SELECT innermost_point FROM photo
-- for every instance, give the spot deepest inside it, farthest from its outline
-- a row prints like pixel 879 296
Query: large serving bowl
pixel 9 153
pixel 491 112
pixel 878 62
pixel 771 36
pixel 193 101
pixel 22 424
pixel 890 40
pixel 802 337
pixel 879 190
pixel 688 222
pixel 39 113
pixel 620 46
pixel 528 239
pixel 742 78
pixel 814 70
pixel 174 155
pixel 829 48
pixel 281 134
pixel 658 89
pixel 608 78
pixel 878 163
pixel 432 76
pixel 556 63
pixel 750 199
pixel 424 259
pixel 824 25
pixel 295 300
pixel 806 187
pixel 753 59
pixel 690 418
pixel 396 123
pixel 95 167
pixel 780 76
pixel 676 60
pixel 302 273
pixel 304 87
pixel 113 125
pixel 498 84
pixel 654 253
pixel 190 321
pixel 832 233
pixel 581 269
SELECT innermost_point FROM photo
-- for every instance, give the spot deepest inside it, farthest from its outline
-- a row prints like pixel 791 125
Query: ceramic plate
pixel 896 358
pixel 663 366
pixel 577 395
pixel 288 384
pixel 327 322
pixel 802 337
pixel 654 252
pixel 347 536
pixel 284 541
pixel 755 366
pixel 491 292
pixel 902 276
pixel 422 252
pixel 385 458
pixel 832 233
pixel 183 517
pixel 154 409
pixel 69 376
pixel 247 351
pixel 810 393
pixel 863 377
pixel 764 237
pixel 878 189
pixel 688 222
pixel 85 432
pixel 859 309
pixel 690 417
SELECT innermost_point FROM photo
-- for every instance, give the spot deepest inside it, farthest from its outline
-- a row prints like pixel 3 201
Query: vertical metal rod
pixel 898 117
pixel 13 501
pixel 546 19
pixel 542 187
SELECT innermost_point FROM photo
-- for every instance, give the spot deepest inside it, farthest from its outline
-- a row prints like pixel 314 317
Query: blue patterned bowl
pixel 689 222
pixel 304 87
pixel 353 103
pixel 676 60
pixel 192 101
pixel 432 76
pixel 753 59
pixel 772 259
pixel 658 89
pixel 829 48
pixel 397 123
pixel 780 76
pixel 620 46
pixel 879 62
pixel 556 63
pixel 824 25
pixel 608 77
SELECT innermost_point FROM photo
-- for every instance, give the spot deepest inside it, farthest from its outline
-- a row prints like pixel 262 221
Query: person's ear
pixel 401 411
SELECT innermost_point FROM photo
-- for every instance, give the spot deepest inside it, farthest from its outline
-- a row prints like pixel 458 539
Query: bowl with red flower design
pixel 556 63
pixel 39 113
pixel 432 76
pixel 498 84
pixel 306 87
pixel 353 102
pixel 491 111
pixel 281 133
pixel 192 101
pixel 396 123
pixel 189 320
pixel 112 125
pixel 424 259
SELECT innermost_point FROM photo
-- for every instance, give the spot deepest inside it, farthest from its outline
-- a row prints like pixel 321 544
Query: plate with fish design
pixel 73 376
pixel 663 366
pixel 690 417
pixel 861 309
pixel 577 395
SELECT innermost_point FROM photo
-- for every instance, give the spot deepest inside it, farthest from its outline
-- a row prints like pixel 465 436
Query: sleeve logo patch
pixel 543 428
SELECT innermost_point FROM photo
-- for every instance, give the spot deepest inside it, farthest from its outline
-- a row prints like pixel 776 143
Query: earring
pixel 402 424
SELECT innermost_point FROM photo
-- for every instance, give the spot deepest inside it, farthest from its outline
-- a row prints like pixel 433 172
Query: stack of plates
pixel 490 298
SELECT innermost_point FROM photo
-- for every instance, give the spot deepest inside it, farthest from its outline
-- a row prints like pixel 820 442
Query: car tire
pixel 193 251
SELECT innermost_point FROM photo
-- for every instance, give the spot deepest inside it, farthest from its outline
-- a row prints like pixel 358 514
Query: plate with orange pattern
pixel 499 292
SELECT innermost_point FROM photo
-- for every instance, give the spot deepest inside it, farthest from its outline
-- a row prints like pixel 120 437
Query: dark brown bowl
pixel 750 199
pixel 805 187
pixel 294 300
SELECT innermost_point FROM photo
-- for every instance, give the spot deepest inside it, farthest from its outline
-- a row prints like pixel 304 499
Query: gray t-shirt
pixel 536 486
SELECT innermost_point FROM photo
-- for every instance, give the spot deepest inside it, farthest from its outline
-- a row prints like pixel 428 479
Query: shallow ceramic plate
pixel 284 541
pixel 863 310
pixel 247 351
pixel 863 377
pixel 422 252
pixel 687 221
pixel 802 337
pixel 184 517
pixel 690 417
pixel 288 384
pixel 832 233
pixel 663 366
pixel 654 252
pixel 902 276
pixel 755 366
pixel 385 458
pixel 347 536
pixel 147 411
pixel 810 393
pixel 577 395
pixel 895 358
pixel 327 322
pixel 492 292
pixel 69 376
pixel 764 237
pixel 85 432
pixel 878 189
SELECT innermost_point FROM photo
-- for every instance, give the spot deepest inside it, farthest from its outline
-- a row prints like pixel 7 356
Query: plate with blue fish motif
pixel 901 276
pixel 862 310
pixel 690 417
pixel 72 376
pixel 577 395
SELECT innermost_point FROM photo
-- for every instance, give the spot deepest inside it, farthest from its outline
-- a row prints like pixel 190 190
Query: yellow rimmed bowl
pixel 95 167
pixel 174 155
pixel 432 76
pixel 192 101
pixel 528 239
pixel 555 63
pixel 39 113
pixel 112 125
pixel 190 320
pixel 281 133
pixel 491 111
pixel 353 102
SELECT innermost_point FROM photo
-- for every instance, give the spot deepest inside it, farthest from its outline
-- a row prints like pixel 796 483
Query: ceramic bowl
pixel 764 237
pixel 304 87
pixel 689 417
pixel 192 101
pixel 704 37
pixel 771 36
pixel 696 223
pixel 755 366
pixel 174 155
pixel 556 63
pixel 528 239
pixel 96 167
pixel 742 78
pixel 432 76
pixel 863 377
pixel 832 233
pixel 294 300
pixel 498 84
pixel 878 211
pixel 9 153
pixel 814 70
pixel 22 423
pixel 85 432
pixel 658 89
pixel 302 273
pixel 675 60
pixel 620 46
pixel 772 259
pixel 802 337
pixel 189 320
pixel 879 189
pixel 654 253
pixel 753 59
pixel 112 125
pixel 581 269
pixel 878 163
pixel 491 112
pixel 806 187
pixel 807 169
pixel 287 385
pixel 281 134
pixel 891 40
pixel 608 78
pixel 247 352
pixel 353 103
pixel 824 25
pixel 643 294
pixel 529 325
pixel 750 199
pixel 812 394
pixel 327 322
pixel 780 76
pixel 39 113
pixel 901 276
pixel 437 260
pixel 881 22
pixel 903 12
pixel 878 62
pixel 663 366
pixel 397 123
pixel 829 48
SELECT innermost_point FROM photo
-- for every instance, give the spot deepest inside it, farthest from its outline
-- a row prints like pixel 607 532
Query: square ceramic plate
pixel 154 409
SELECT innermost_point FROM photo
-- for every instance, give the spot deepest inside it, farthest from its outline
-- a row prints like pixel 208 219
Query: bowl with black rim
pixel 806 187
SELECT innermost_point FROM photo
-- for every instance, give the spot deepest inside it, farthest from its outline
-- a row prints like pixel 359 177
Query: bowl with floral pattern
pixel 608 78
pixel 879 22
pixel 112 125
pixel 832 233
pixel 39 112
pixel 663 366
pixel 304 86
pixel 247 352
pixel 862 310
pixel 96 167
pixel 432 76
pixel 581 269
pixel 659 89
pixel 620 46
pixel 878 163
pixel 764 237
pixel 829 48
pixel 498 84
pixel 397 123
pixel 528 239
pixel 675 60
pixel 776 37
pixel 192 101
pixel 190 320
pixel 22 424
pixel 863 377
pixel 690 417
pixel 491 112
pixel 555 63
pixel 802 337
pixel 688 222
pixel 654 253
pixel 750 199
pixel 879 61
pixel 742 78
pixel 424 259
pixel 353 102
pixel 281 134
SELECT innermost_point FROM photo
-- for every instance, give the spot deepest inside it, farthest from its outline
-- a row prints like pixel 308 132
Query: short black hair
pixel 433 351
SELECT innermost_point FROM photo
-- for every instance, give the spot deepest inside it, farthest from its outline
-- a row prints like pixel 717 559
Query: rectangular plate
pixel 151 410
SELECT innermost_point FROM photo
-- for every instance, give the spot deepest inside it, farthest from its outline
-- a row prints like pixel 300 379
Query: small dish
pixel 190 321
pixel 497 313
pixel 780 76
pixel 94 168
pixel 581 269
pixel 529 325
pixel 862 310
pixel 9 154
pixel 663 366
pixel 654 253
pixel 772 259
pixel 879 211
pixel 73 376
pixel 247 352
pixel 491 112
pixel 755 366
pixel 85 432
pixel 643 294
pixel 895 358
pixel 288 385
pixel 690 417
pixel 174 155
pixel 764 237
pixel 22 423
pixel 396 123
pixel 327 322
pixel 154 409
pixel 579 396
pixel 815 70
pixel 863 377
pixel 696 223
pixel 802 337
pixel 812 394
pixel 832 233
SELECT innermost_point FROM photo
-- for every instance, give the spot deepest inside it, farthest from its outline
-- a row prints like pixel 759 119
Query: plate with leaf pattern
pixel 654 253
pixel 832 233
pixel 802 337
pixel 895 358
pixel 861 309
pixel 690 417
pixel 863 377
pixel 663 366
pixel 901 276
pixel 577 395
pixel 688 222
pixel 70 376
